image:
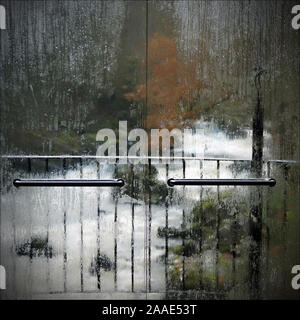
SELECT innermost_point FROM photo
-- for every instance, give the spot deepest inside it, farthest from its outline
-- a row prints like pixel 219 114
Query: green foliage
pixel 140 181
pixel 201 226
pixel 36 247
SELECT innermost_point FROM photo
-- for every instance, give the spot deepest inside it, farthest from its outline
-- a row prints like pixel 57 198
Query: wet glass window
pixel 149 149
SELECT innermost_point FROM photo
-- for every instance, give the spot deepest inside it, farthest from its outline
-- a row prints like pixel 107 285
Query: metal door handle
pixel 68 183
pixel 222 182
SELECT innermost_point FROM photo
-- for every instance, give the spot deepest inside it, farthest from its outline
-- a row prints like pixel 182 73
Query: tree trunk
pixel 255 223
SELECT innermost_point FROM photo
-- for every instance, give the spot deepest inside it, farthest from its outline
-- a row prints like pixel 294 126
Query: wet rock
pixel 100 262
pixel 36 247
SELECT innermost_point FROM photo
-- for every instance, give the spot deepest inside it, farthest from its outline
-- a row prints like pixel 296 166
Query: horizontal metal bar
pixel 89 157
pixel 37 157
pixel 222 182
pixel 283 161
pixel 68 183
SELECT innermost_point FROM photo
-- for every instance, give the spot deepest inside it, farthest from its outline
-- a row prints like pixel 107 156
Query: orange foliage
pixel 172 85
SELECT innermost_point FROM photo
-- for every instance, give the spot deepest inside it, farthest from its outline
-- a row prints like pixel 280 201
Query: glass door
pixel 149 149
pixel 218 68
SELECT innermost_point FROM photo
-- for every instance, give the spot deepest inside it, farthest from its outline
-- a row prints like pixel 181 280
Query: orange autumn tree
pixel 172 86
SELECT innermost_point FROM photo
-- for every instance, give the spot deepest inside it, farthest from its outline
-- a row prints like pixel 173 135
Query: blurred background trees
pixel 70 68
